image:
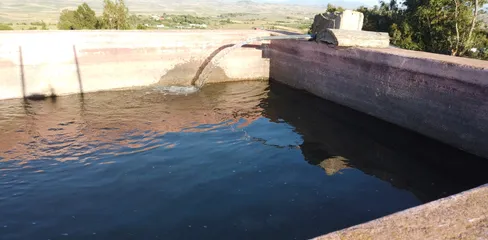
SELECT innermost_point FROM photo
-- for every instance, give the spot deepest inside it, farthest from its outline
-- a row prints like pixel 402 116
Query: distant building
pixel 154 17
pixel 160 26
pixel 198 25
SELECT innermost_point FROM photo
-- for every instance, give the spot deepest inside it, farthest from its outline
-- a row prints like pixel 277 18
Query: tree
pixel 85 17
pixel 67 20
pixel 439 26
pixel 444 26
pixel 333 9
pixel 115 15
pixel 141 27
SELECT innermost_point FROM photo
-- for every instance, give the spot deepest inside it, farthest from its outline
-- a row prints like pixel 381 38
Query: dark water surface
pixel 234 161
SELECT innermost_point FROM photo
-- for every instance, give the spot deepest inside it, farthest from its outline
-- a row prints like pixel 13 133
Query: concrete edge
pixel 472 71
pixel 387 227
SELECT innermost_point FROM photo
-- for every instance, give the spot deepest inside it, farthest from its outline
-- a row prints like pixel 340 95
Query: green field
pixel 215 14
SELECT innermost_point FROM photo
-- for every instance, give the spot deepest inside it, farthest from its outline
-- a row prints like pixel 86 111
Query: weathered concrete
pixel 66 62
pixel 442 97
pixel 353 38
pixel 347 20
pixel 461 216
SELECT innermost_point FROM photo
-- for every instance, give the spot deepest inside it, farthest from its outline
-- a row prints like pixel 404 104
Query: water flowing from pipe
pixel 204 72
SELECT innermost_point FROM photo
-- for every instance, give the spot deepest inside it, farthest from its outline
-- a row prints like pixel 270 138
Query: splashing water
pixel 201 76
pixel 176 90
pixel 200 79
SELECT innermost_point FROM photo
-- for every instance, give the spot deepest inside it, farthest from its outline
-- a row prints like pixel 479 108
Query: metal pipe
pixel 256 39
pixel 302 36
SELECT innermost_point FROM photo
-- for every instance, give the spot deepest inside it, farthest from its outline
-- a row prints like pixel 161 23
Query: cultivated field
pixel 19 14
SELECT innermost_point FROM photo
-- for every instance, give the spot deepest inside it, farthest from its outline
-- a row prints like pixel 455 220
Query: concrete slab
pixel 461 216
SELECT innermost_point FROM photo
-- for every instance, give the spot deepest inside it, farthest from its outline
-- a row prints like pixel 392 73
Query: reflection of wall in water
pixel 75 126
pixel 333 165
pixel 407 160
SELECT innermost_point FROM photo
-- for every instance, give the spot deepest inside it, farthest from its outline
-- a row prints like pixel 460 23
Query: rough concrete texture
pixel 347 20
pixel 351 20
pixel 65 62
pixel 461 216
pixel 442 97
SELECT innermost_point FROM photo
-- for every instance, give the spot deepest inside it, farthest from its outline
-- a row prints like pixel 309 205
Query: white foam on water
pixel 177 90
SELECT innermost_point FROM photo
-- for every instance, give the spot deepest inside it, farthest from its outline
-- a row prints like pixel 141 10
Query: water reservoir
pixel 243 160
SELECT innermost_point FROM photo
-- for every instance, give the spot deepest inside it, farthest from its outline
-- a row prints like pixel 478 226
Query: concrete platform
pixel 461 216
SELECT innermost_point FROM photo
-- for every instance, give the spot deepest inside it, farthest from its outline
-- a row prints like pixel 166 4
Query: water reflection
pixel 89 127
pixel 335 138
pixel 105 122
pixel 234 161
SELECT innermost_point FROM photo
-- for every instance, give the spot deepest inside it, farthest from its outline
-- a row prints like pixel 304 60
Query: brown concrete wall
pixel 443 97
pixel 65 62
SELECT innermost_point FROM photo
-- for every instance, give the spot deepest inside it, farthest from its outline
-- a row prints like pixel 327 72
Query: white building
pixel 198 25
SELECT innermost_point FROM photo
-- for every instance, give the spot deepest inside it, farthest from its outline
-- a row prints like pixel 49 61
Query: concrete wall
pixel 65 62
pixel 350 20
pixel 442 97
pixel 347 20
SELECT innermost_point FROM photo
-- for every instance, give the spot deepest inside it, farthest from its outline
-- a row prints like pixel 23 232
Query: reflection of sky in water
pixel 233 161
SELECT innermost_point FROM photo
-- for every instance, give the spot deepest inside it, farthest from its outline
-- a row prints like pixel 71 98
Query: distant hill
pixel 16 10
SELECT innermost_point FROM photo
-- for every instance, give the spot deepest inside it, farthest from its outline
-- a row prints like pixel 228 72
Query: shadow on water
pixel 336 137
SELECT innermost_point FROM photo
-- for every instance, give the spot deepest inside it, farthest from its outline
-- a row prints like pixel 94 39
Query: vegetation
pixel 115 16
pixel 5 27
pixel 334 9
pixel 83 18
pixel 439 26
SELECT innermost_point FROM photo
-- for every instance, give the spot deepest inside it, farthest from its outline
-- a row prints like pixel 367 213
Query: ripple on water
pixel 119 123
pixel 228 161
